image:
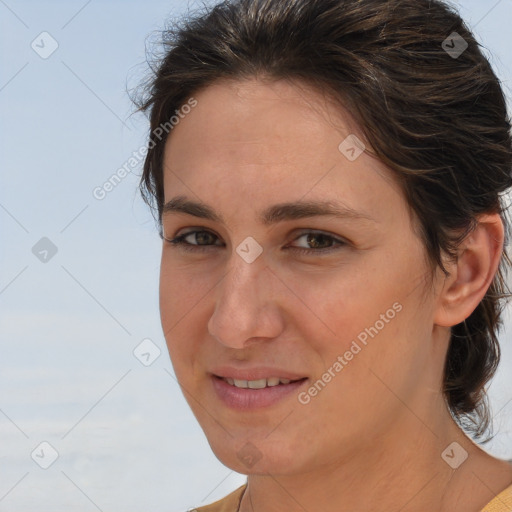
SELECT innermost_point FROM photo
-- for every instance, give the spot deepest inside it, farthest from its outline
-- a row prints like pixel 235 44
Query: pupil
pixel 312 237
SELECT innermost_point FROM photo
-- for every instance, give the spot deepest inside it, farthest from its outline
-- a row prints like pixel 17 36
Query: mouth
pixel 269 382
pixel 246 395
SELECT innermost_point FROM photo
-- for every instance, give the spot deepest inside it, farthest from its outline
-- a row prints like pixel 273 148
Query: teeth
pixel 257 384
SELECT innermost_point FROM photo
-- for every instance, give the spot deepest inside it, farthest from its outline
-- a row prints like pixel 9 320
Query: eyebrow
pixel 271 215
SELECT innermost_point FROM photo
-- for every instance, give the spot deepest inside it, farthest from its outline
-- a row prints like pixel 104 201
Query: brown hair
pixel 437 119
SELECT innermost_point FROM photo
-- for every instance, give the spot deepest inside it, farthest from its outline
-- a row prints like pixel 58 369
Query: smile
pixel 245 395
pixel 258 384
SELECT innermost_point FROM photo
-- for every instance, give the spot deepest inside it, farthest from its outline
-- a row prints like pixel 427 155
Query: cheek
pixel 383 340
pixel 367 314
pixel 180 304
pixel 333 307
pixel 181 288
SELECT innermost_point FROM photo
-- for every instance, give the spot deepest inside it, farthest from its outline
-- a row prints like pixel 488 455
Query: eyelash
pixel 179 242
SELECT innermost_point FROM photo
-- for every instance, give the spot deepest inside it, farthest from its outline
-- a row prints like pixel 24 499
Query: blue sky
pixel 124 435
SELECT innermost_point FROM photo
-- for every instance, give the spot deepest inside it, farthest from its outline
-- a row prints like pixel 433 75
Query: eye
pixel 318 239
pixel 199 235
pixel 322 242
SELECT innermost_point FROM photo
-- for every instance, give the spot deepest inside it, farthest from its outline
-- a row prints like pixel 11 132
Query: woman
pixel 327 178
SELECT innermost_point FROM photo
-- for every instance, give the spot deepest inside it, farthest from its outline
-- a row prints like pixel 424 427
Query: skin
pixel 372 439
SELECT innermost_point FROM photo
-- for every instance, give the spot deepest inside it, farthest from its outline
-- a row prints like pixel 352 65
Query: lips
pixel 246 389
pixel 246 395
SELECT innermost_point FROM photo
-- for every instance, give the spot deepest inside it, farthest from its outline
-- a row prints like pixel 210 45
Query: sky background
pixel 124 435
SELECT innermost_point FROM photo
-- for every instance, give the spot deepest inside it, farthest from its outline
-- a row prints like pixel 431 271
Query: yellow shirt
pixel 502 502
pixel 230 503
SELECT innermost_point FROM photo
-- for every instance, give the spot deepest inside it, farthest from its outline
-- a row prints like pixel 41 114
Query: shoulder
pixel 227 504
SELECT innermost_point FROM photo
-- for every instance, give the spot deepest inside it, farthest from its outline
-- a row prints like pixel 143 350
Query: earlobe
pixel 471 275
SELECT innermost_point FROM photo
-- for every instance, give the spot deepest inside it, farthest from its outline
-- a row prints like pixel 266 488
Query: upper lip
pixel 256 373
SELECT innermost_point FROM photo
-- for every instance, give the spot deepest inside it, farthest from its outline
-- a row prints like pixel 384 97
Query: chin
pixel 255 456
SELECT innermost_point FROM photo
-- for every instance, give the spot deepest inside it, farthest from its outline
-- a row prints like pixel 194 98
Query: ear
pixel 471 275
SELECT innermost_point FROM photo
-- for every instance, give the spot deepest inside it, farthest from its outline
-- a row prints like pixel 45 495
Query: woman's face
pixel 270 288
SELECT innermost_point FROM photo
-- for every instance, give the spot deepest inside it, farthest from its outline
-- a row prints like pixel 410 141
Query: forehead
pixel 243 116
pixel 255 142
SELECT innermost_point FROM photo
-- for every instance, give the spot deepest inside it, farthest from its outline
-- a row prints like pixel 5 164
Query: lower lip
pixel 246 399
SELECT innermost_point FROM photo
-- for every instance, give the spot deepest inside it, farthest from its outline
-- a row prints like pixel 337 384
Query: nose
pixel 246 305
